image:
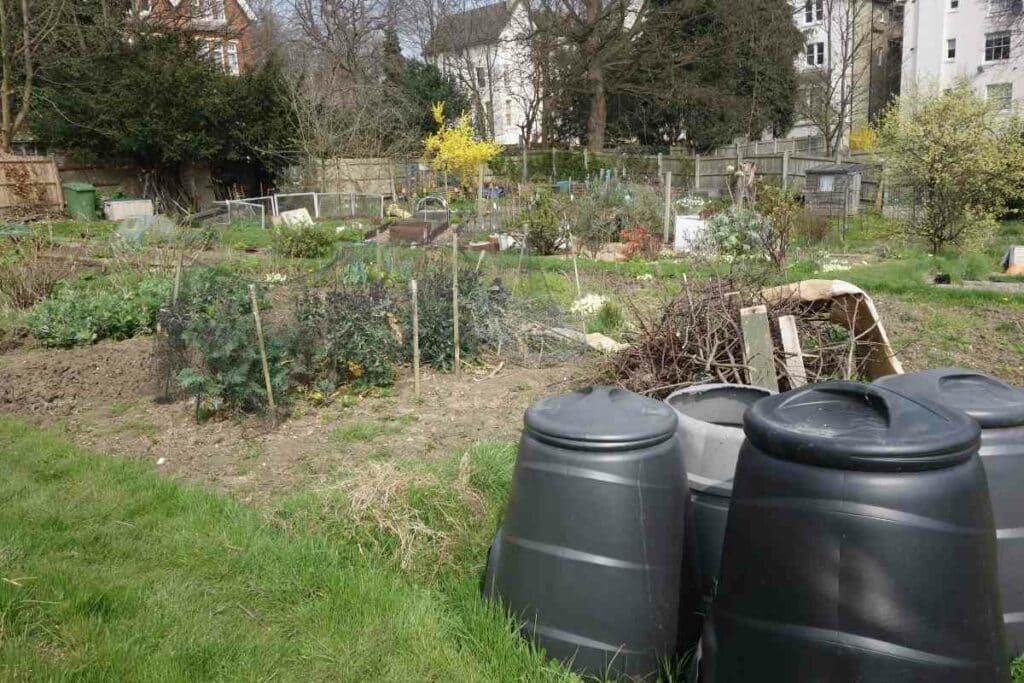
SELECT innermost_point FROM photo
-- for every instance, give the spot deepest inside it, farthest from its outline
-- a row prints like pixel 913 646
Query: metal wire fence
pixel 320 205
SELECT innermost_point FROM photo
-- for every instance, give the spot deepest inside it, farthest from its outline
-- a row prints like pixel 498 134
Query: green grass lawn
pixel 110 572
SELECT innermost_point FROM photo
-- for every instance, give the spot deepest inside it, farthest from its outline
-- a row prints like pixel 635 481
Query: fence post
pixel 415 339
pixel 351 204
pixel 785 169
pixel 455 303
pixel 382 207
pixel 316 205
pixel 696 171
pixel 661 168
pixel 757 147
pixel 668 207
pixel 554 170
pixel 263 351
pixel 586 161
pixel 480 194
pixel 525 163
pixel 273 205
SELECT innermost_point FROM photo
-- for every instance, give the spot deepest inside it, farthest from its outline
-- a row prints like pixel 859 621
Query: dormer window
pixel 208 9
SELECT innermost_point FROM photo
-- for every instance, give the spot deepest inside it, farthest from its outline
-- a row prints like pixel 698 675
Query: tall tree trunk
pixel 598 110
pixel 6 87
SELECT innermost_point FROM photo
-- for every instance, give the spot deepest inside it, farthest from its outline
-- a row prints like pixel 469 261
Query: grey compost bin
pixel 591 552
pixel 860 545
pixel 710 434
pixel 999 409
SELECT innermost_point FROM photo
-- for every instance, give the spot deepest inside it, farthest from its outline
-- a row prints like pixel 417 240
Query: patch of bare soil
pixel 56 382
pixel 102 397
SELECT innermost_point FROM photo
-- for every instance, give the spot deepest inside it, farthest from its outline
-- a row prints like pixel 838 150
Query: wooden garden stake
pixel 263 351
pixel 522 253
pixel 455 302
pixel 668 208
pixel 480 194
pixel 480 259
pixel 415 338
pixel 177 281
pixel 575 266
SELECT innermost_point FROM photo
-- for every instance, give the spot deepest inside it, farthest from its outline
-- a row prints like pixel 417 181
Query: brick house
pixel 222 27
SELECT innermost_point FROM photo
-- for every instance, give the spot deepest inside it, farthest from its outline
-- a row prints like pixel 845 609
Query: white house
pixel 486 49
pixel 976 40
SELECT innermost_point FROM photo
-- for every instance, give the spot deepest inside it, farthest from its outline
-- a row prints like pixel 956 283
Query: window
pixel 951 48
pixel 208 9
pixel 814 10
pixel 210 48
pixel 1000 93
pixel 815 54
pixel 997 46
pixel 1000 6
pixel 231 57
pixel 223 54
pixel 954 4
pixel 826 183
pixel 481 76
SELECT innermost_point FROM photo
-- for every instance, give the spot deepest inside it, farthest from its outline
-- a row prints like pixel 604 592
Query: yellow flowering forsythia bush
pixel 454 148
pixel 959 155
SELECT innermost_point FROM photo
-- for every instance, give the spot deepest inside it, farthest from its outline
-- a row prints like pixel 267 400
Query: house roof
pixel 477 26
pixel 846 167
pixel 241 3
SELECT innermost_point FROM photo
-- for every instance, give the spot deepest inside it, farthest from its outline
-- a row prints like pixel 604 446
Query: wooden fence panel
pixel 29 183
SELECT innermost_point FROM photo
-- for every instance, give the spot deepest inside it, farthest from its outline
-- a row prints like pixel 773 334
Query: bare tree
pixel 345 34
pixel 599 35
pixel 25 25
pixel 528 76
pixel 335 118
pixel 838 66
pixel 417 21
pixel 469 44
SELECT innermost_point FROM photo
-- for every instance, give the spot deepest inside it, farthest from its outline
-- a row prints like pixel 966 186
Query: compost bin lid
pixel 601 417
pixel 856 426
pixel 79 187
pixel 990 401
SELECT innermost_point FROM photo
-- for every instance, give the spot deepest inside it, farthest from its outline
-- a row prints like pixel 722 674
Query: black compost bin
pixel 710 433
pixel 999 409
pixel 590 556
pixel 860 545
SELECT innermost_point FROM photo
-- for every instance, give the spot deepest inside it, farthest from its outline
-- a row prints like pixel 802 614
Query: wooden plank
pixel 794 354
pixel 757 347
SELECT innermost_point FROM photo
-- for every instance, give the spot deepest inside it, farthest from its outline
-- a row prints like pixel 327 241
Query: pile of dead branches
pixel 696 338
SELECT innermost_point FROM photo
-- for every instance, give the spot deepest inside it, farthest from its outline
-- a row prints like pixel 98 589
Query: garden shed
pixel 834 189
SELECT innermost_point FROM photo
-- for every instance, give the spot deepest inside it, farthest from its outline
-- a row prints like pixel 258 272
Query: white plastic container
pixel 120 209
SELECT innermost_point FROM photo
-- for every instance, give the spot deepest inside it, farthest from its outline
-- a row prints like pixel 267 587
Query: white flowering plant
pixel 588 304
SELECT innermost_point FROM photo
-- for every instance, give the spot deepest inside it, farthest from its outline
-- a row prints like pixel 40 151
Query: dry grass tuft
pixel 28 275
